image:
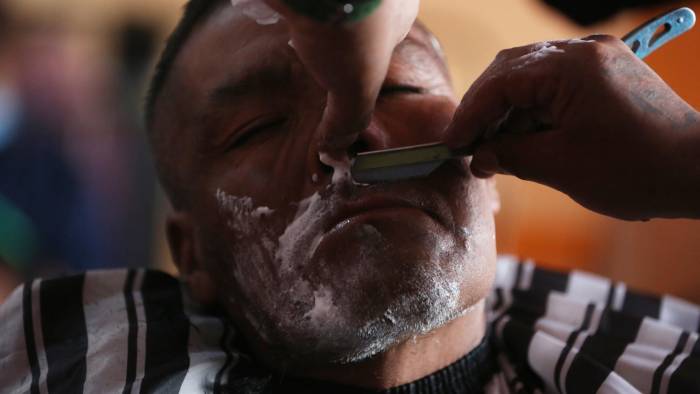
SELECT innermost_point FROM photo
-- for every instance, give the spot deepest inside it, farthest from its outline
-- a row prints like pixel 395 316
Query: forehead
pixel 226 43
pixel 231 29
pixel 229 46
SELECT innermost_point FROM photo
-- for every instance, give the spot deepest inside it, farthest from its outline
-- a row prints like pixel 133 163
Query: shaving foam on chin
pixel 257 10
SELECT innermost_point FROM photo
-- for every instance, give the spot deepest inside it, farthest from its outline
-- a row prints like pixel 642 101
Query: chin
pixel 340 335
pixel 364 288
pixel 377 290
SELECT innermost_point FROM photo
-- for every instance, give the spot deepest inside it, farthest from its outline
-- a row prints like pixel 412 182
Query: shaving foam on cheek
pixel 287 308
pixel 303 235
pixel 241 211
pixel 263 270
pixel 301 232
pixel 324 306
pixel 296 244
pixel 258 11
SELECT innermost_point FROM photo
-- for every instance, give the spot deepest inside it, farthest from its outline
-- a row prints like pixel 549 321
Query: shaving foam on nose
pixel 258 11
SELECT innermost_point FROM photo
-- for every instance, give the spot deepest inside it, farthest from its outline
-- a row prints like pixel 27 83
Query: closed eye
pixel 388 90
pixel 253 129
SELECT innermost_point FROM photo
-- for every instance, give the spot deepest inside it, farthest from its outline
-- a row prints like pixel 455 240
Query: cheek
pixel 472 200
pixel 417 120
pixel 238 241
pixel 263 172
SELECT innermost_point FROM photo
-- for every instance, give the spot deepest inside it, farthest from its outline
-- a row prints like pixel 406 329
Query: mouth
pixel 387 204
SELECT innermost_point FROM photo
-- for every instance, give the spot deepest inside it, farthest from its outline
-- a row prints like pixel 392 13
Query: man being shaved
pixel 297 279
pixel 320 274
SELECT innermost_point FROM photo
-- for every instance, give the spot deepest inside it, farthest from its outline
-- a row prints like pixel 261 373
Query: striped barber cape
pixel 131 331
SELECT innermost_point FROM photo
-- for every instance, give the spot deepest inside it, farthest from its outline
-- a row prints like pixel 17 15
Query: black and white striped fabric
pixel 123 331
pixel 135 331
pixel 582 333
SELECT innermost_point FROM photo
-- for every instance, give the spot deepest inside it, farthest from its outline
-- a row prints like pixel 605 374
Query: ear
pixel 492 194
pixel 188 258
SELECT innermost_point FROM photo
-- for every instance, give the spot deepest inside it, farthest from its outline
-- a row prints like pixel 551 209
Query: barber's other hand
pixel 586 117
pixel 350 60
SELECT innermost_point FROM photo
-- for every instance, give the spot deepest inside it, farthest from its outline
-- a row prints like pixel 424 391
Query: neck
pixel 414 358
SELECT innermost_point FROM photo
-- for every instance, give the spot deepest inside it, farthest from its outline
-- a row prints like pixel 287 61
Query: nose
pixel 374 137
pixel 396 124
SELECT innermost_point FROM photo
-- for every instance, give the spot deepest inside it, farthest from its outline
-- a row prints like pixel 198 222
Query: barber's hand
pixel 350 60
pixel 586 117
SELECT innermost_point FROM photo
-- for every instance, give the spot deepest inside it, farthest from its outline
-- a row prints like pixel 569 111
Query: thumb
pixel 533 156
pixel 342 123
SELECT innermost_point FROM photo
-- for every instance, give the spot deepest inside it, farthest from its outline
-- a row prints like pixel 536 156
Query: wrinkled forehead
pixel 226 43
pixel 230 46
pixel 229 39
pixel 235 30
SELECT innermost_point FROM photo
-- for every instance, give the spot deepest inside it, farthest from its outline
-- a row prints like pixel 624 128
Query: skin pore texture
pixel 365 285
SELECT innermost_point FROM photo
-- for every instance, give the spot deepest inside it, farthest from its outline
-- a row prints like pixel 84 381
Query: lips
pixel 386 201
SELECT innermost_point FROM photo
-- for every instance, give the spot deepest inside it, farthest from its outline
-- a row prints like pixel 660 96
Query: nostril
pixel 326 169
pixel 358 146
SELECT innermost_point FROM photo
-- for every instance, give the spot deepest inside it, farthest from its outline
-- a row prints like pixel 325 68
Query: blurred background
pixel 78 191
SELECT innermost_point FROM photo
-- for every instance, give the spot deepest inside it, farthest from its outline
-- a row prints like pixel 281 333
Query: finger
pixel 482 106
pixel 535 157
pixel 342 123
pixel 522 121
pixel 528 81
pixel 516 52
pixel 601 38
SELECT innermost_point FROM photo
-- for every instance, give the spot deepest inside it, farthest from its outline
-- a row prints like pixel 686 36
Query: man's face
pixel 306 267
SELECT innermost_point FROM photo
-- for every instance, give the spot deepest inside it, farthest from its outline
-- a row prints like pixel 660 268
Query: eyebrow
pixel 256 78
pixel 421 39
pixel 410 41
pixel 253 80
pixel 262 76
pixel 248 83
pixel 418 41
